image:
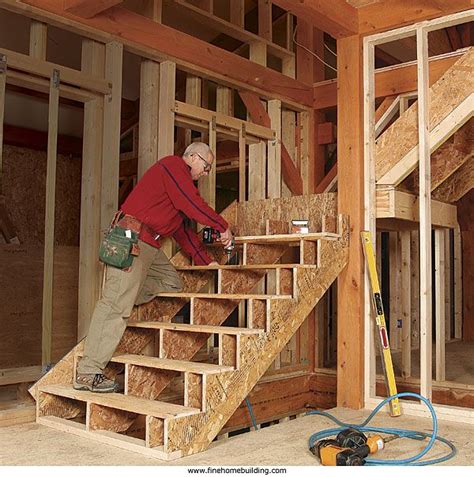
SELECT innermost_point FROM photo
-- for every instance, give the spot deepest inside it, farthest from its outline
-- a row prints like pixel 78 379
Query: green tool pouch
pixel 116 248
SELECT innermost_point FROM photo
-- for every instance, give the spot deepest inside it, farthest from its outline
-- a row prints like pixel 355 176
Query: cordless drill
pixel 210 235
pixel 350 447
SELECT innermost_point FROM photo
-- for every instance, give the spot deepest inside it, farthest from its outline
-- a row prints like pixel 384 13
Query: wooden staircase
pixel 135 418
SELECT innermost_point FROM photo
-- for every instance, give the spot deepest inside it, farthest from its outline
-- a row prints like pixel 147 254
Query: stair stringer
pixel 226 392
pixel 452 90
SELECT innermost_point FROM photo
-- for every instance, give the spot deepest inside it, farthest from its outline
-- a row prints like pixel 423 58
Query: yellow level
pixel 380 320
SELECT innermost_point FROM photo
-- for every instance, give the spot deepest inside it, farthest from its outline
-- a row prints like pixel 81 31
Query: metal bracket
pixel 56 78
pixel 3 64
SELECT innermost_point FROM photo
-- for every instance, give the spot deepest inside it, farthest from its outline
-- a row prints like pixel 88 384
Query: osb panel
pixel 231 279
pixel 50 405
pixel 194 389
pixel 228 350
pixel 225 392
pixel 458 184
pixel 259 314
pixel 458 149
pixel 21 289
pixel 155 431
pixel 142 381
pixel 104 418
pixel 447 93
pixel 252 216
pixel 24 179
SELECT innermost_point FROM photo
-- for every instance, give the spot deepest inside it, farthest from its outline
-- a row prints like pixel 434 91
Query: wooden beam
pixel 378 17
pixel 458 184
pixel 329 179
pixel 3 83
pixel 405 302
pixel 338 18
pixel 389 81
pixel 47 304
pixel 88 8
pixel 290 173
pixel 265 23
pixel 350 306
pixel 155 41
pixel 274 150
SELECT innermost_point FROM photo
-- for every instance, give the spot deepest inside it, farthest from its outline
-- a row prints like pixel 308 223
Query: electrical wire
pixel 403 433
pixel 312 52
pixel 252 415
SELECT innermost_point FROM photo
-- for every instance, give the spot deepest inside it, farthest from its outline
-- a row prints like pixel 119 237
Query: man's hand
pixel 226 238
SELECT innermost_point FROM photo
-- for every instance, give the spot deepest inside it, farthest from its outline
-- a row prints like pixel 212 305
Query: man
pixel 158 204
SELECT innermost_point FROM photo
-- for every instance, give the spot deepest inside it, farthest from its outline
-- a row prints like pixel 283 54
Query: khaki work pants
pixel 150 273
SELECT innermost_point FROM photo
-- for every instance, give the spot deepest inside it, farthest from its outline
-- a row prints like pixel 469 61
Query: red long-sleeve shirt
pixel 163 196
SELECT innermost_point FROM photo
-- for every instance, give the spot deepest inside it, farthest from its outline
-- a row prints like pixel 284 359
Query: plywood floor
pixel 281 444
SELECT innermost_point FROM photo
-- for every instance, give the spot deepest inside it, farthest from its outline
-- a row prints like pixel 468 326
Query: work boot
pixel 97 383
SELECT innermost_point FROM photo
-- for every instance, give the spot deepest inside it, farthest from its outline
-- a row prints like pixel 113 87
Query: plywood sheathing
pixel 448 158
pixel 447 93
pixel 224 393
pixel 20 317
pixel 458 184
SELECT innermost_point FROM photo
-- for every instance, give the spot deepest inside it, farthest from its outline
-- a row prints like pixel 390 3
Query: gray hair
pixel 198 148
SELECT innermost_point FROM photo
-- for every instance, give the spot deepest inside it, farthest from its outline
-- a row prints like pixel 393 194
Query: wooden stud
pixel 274 150
pixel 3 82
pixel 93 61
pixel 395 290
pixel 448 284
pixel 47 307
pixel 457 263
pixel 38 39
pixel 425 213
pixel 237 12
pixel 415 289
pixel 242 164
pixel 439 246
pixel 405 301
pixel 111 141
pixel 166 109
pixel 265 22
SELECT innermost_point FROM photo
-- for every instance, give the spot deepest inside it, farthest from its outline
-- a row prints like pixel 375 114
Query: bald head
pixel 199 157
pixel 199 148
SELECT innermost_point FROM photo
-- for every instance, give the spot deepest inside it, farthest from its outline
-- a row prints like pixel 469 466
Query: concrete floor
pixel 282 444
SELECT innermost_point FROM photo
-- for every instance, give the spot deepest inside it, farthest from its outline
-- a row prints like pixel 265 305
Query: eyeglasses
pixel 207 167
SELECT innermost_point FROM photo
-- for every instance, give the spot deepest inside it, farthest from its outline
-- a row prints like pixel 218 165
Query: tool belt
pixel 120 243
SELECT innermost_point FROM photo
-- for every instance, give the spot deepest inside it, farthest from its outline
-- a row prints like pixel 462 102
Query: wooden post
pixel 111 141
pixel 265 19
pixel 148 120
pixel 93 62
pixel 237 12
pixel 242 164
pixel 440 305
pixel 193 96
pixel 350 305
pixel 48 266
pixel 38 39
pixel 405 302
pixel 425 213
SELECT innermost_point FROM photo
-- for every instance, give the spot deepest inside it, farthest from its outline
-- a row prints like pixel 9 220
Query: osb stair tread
pixel 224 296
pixel 272 266
pixel 171 364
pixel 285 238
pixel 227 330
pixel 162 410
